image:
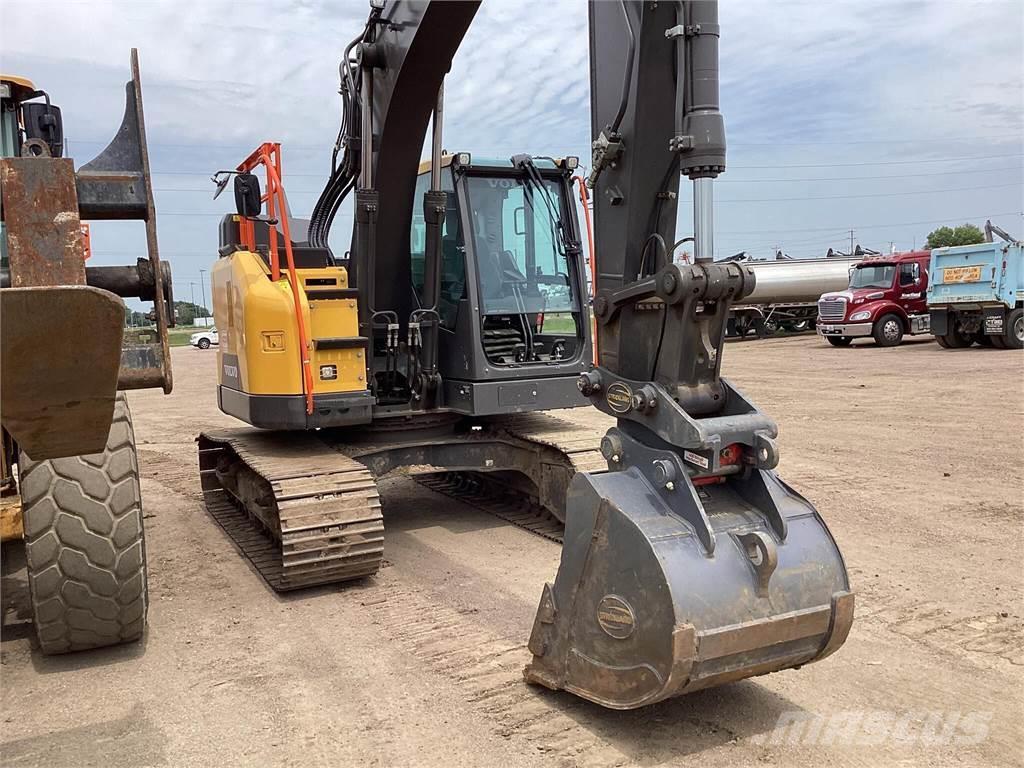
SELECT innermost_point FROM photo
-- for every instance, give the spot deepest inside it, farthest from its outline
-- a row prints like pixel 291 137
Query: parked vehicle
pixel 786 293
pixel 885 300
pixel 204 339
pixel 977 293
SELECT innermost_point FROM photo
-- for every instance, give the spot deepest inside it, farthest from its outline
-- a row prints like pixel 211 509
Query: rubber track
pixel 580 445
pixel 84 544
pixel 476 490
pixel 328 526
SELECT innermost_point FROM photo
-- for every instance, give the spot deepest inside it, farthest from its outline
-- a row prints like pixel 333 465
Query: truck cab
pixel 886 300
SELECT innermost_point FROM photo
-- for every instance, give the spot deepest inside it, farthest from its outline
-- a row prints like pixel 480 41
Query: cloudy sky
pixel 890 118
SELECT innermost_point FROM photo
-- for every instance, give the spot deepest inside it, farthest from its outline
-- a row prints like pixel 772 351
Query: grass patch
pixel 176 337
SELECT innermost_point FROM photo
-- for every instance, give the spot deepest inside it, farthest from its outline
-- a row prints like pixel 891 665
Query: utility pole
pixel 851 242
pixel 192 287
pixel 202 284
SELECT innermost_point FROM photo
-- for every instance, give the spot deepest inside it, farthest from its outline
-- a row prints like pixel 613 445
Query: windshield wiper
pixel 534 182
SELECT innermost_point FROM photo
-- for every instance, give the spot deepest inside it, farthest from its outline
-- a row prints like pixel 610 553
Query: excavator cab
pixel 512 281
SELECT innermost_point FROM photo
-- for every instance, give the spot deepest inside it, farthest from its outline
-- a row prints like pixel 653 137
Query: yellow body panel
pixel 259 350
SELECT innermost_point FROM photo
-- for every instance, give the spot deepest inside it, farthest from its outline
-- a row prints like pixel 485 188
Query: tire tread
pixel 85 545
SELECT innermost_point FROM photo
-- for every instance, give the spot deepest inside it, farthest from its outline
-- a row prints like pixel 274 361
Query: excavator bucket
pixel 649 603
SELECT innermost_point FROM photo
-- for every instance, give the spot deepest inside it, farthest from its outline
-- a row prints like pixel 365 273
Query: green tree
pixel 135 319
pixel 186 312
pixel 965 234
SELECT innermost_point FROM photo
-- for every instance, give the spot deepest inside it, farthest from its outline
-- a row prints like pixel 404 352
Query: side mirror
pixel 248 196
pixel 43 122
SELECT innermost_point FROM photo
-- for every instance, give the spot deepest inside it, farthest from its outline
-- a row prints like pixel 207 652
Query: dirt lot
pixel 913 454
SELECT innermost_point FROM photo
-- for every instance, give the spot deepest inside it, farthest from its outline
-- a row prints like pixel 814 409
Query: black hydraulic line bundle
pixel 345 174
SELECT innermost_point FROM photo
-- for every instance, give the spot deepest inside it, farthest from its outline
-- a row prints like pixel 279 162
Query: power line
pixel 744 200
pixel 889 177
pixel 882 162
pixel 206 174
pixel 872 195
pixel 836 142
pixel 846 228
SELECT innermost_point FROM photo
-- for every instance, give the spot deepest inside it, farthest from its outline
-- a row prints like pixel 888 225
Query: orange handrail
pixel 581 183
pixel 268 154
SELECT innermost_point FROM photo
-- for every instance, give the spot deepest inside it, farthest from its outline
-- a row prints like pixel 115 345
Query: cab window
pixel 453 265
pixel 909 273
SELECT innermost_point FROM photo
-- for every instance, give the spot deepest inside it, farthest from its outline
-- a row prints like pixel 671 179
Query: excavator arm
pixel 689 563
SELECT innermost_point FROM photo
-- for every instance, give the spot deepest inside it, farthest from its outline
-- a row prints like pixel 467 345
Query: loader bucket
pixel 647 605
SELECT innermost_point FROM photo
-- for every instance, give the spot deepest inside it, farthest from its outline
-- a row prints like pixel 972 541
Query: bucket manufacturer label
pixel 619 397
pixel 696 459
pixel 616 617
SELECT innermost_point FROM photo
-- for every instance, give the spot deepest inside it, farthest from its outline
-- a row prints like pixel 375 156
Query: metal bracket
pixel 763 556
pixel 606 149
pixel 665 472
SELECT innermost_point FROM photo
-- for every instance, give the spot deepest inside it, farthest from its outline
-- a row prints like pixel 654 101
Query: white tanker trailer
pixel 786 293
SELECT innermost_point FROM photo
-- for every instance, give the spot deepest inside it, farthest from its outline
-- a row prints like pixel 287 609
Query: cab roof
pixel 896 258
pixel 489 162
pixel 20 86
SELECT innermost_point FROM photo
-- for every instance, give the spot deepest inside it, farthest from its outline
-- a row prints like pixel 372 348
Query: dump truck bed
pixel 985 273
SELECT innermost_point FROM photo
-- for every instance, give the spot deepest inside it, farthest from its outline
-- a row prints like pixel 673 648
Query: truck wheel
pixel 888 331
pixel 839 341
pixel 84 544
pixel 982 339
pixel 956 339
pixel 1013 330
pixel 998 341
pixel 203 343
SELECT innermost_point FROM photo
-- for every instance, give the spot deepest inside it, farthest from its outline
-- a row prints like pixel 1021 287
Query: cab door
pixel 912 282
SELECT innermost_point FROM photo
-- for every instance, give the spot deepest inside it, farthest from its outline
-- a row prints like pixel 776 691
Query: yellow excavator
pixel 460 315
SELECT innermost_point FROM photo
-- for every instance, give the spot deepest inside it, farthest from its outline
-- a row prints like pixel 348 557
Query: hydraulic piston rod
pixel 366 136
pixel 703 219
pixel 435 142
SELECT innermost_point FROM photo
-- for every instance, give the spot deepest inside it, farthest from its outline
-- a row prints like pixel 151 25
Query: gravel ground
pixel 912 454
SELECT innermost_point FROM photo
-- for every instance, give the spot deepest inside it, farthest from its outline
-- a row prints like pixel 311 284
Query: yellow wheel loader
pixel 69 475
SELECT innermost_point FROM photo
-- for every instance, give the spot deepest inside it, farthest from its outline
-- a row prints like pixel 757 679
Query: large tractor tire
pixel 84 544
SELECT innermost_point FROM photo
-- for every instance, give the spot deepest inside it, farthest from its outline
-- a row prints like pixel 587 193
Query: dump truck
pixel 69 473
pixel 977 293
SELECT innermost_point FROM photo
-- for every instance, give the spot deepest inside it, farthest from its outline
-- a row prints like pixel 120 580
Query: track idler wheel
pixel 665 591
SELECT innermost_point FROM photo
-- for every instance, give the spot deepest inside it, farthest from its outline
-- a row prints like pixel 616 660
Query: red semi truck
pixel 886 300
